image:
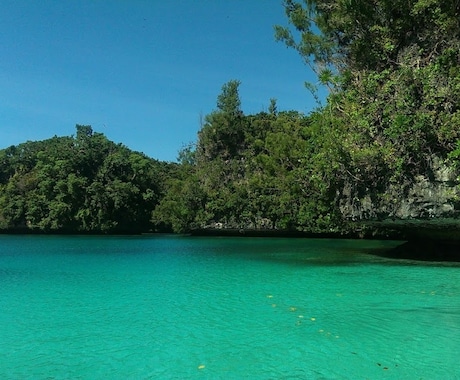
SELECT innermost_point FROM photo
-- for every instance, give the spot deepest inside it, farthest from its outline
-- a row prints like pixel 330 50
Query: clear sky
pixel 141 72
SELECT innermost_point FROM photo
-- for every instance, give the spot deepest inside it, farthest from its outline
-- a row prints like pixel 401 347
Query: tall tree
pixel 223 131
pixel 229 99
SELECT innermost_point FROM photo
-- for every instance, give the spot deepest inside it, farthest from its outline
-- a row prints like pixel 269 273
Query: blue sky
pixel 141 72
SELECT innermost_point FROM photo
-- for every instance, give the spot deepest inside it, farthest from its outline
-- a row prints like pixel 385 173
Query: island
pixel 379 159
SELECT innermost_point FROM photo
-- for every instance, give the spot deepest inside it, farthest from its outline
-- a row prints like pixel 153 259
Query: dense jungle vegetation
pixel 84 183
pixel 393 71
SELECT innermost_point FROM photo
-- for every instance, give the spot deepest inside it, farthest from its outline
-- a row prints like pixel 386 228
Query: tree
pixel 394 71
pixel 229 100
pixel 348 37
pixel 223 131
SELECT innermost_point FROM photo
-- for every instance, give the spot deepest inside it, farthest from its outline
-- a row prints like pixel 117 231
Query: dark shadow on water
pixel 429 251
pixel 331 250
pixel 343 252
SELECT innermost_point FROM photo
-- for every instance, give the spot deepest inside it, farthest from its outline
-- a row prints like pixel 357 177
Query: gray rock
pixel 430 204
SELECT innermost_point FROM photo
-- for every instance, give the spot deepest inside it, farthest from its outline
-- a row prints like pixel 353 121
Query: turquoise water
pixel 172 307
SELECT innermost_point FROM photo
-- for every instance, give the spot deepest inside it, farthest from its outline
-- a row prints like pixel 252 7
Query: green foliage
pixel 81 184
pixel 229 100
pixel 223 131
pixel 262 177
pixel 394 71
pixel 393 68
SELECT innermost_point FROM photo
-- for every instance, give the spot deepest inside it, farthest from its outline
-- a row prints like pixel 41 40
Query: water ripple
pixel 184 308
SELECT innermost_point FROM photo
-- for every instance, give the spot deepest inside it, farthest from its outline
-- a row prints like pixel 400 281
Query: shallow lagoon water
pixel 176 307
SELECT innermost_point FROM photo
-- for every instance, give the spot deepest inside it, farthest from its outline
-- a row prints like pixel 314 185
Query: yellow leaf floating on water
pixel 312 319
pixel 292 308
pixel 269 296
pixel 201 366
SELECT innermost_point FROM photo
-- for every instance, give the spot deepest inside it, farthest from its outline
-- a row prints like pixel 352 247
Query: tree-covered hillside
pixel 390 124
pixel 84 183
pixel 265 171
pixel 386 143
pixel 393 68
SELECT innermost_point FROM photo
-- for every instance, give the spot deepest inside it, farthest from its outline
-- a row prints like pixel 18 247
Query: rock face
pixel 427 208
pixel 434 195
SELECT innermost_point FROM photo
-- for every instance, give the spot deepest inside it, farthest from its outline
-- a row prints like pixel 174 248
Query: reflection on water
pixel 181 307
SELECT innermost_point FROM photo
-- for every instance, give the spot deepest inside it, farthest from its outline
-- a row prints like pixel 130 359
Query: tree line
pixel 82 183
pixel 393 70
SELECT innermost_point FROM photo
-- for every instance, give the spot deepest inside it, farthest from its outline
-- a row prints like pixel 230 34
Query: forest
pixel 82 183
pixel 393 110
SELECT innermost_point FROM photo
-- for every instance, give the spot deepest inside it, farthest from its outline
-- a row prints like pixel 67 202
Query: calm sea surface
pixel 175 307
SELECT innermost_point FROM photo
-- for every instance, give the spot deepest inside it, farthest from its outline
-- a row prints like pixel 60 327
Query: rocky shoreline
pixel 421 240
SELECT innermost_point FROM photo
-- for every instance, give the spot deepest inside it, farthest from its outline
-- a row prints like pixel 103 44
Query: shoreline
pixel 411 247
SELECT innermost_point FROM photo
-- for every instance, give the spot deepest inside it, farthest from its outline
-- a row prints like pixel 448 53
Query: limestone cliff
pixel 427 207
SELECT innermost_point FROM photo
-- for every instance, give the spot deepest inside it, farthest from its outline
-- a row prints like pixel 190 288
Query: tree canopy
pixel 81 184
pixel 394 72
pixel 393 69
pixel 392 114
